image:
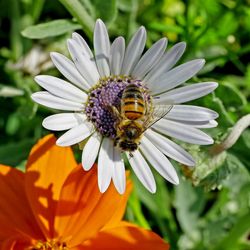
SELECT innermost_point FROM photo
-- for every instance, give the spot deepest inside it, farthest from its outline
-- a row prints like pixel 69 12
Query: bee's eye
pixel 131 133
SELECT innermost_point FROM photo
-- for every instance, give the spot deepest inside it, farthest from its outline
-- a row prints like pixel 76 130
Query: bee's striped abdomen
pixel 132 103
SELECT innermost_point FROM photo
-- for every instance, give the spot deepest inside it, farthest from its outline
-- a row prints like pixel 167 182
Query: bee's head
pixel 128 145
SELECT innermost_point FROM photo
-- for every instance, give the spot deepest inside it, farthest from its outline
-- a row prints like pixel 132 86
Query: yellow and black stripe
pixel 132 103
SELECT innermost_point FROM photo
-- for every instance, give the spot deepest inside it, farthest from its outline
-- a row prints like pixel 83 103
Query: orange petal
pixel 47 168
pixel 83 210
pixel 15 213
pixel 15 243
pixel 8 244
pixel 125 238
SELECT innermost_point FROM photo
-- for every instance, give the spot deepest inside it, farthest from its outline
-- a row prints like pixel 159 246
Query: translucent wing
pixel 156 113
pixel 114 111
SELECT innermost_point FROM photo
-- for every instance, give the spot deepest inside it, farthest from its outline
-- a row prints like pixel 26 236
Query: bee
pixel 135 117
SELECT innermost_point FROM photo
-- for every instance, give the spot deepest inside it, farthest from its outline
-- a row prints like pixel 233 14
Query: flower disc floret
pixel 49 245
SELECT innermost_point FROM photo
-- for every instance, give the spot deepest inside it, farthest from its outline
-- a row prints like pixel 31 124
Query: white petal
pixel 187 93
pixel 102 48
pixel 159 161
pixel 183 132
pixel 69 70
pixel 116 55
pixel 51 101
pixel 142 171
pixel 119 176
pixel 170 148
pixel 75 135
pixel 149 59
pixel 90 151
pixel 105 164
pixel 176 76
pixel 84 46
pixel 134 51
pixel 209 124
pixel 200 124
pixel 168 60
pixel 83 63
pixel 191 113
pixel 61 88
pixel 63 121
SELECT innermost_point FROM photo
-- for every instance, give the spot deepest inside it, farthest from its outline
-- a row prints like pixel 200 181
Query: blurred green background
pixel 210 209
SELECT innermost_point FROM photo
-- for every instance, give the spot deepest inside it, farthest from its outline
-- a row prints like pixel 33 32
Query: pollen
pixel 49 245
pixel 102 97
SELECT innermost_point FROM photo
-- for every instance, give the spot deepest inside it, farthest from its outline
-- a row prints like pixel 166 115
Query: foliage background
pixel 210 207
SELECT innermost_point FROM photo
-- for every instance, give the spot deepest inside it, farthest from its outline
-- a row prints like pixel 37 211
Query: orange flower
pixel 55 205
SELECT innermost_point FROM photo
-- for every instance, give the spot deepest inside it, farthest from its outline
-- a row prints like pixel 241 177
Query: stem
pixel 236 132
pixel 16 40
pixel 223 109
pixel 37 9
pixel 77 10
pixel 135 205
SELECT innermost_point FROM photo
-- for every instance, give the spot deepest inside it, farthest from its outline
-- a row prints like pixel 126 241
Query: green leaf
pixel 214 179
pixel 13 124
pixel 227 24
pixel 158 205
pixel 234 96
pixel 106 10
pixel 125 5
pixel 13 153
pixel 136 211
pixel 88 6
pixel 207 172
pixel 50 29
pixel 165 27
pixel 232 238
pixel 242 147
pixel 189 204
pixel 37 7
pixel 239 175
pixel 80 13
pixel 154 201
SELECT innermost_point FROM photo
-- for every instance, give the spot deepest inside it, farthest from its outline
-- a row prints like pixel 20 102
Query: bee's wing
pixel 114 111
pixel 157 113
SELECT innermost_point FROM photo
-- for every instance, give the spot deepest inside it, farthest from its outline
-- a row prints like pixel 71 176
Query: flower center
pixel 105 95
pixel 49 245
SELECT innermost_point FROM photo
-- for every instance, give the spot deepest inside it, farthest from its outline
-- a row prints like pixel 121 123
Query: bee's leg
pixel 131 154
pixel 116 141
pixel 115 111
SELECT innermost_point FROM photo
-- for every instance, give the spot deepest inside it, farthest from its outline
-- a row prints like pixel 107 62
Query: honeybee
pixel 135 117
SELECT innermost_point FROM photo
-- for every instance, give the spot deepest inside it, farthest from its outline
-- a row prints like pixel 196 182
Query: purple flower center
pixel 108 93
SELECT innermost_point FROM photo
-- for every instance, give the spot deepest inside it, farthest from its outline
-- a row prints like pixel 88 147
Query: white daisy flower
pixel 96 83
